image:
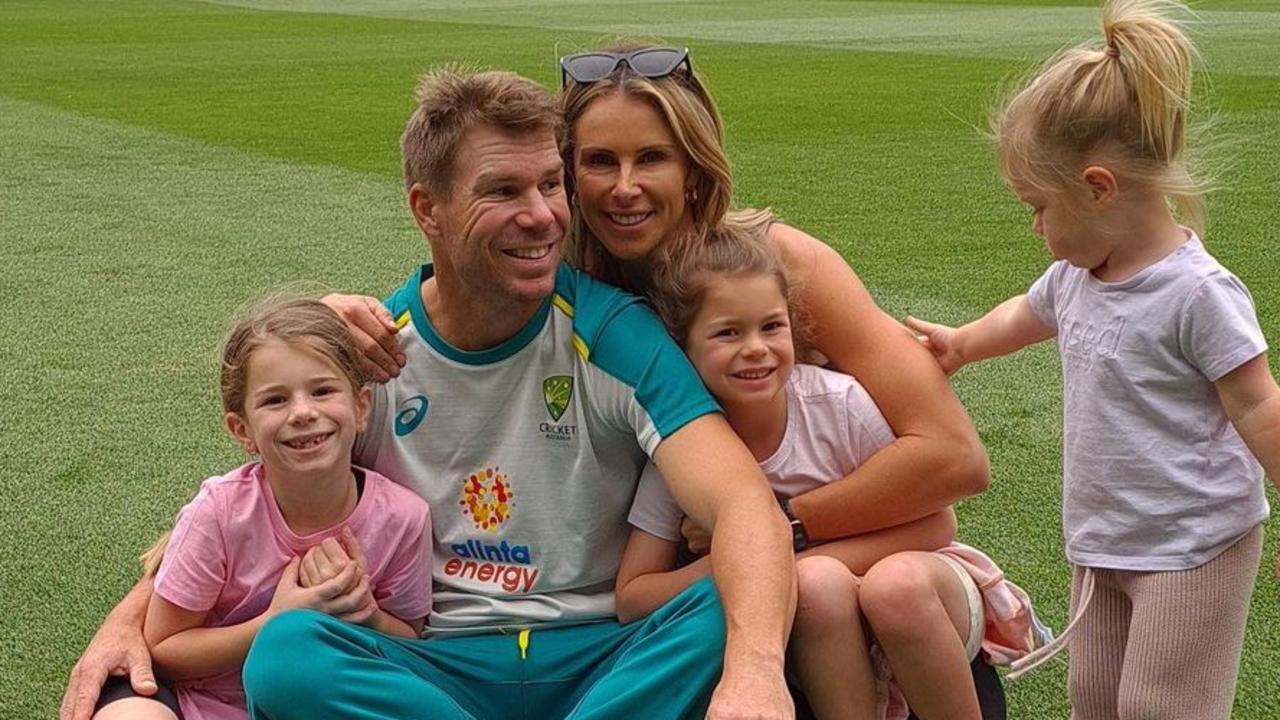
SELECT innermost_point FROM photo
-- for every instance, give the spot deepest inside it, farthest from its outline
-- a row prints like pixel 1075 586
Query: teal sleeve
pixel 627 341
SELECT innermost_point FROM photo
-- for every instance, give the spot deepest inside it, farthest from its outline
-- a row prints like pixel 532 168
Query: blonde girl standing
pixel 1168 403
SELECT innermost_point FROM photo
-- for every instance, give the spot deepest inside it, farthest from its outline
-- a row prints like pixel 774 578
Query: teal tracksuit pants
pixel 307 665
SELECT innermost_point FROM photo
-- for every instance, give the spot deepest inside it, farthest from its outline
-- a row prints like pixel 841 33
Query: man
pixel 530 399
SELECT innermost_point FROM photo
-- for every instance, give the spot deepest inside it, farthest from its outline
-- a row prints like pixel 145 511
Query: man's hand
pixel 118 648
pixel 698 540
pixel 755 695
pixel 373 331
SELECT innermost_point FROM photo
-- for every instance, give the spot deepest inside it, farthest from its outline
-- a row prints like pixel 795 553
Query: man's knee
pixel 273 677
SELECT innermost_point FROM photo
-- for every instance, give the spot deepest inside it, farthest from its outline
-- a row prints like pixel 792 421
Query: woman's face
pixel 630 176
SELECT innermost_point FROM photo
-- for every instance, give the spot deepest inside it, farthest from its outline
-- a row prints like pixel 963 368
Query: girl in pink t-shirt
pixel 298 528
pixel 932 605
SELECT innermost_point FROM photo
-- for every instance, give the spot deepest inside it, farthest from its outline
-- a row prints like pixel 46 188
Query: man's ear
pixel 423 207
pixel 1101 183
pixel 239 430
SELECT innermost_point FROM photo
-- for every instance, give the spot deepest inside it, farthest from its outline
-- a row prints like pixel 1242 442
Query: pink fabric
pixel 1011 629
pixel 230 544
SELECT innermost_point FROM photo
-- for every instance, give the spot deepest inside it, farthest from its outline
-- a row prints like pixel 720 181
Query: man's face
pixel 497 235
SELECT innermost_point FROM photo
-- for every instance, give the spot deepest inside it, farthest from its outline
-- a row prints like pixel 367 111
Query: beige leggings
pixel 1162 645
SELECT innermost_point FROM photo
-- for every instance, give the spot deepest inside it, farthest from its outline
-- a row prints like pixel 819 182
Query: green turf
pixel 162 163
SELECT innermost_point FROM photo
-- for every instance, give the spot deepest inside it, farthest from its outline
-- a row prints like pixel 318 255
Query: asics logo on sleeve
pixel 410 414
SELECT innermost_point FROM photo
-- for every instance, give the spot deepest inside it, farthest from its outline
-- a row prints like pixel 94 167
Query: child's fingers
pixel 921 326
pixel 332 553
pixel 309 569
pixel 339 584
pixel 289 577
pixel 352 600
pixel 352 546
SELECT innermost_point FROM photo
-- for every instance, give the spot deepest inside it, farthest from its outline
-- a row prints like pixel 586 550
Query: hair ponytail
pixel 1127 102
pixel 1155 58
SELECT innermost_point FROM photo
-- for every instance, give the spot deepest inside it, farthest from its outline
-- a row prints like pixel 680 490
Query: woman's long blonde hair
pixel 1124 104
pixel 686 105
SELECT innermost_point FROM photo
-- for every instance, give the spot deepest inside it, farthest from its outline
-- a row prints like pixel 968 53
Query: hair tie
pixel 1111 51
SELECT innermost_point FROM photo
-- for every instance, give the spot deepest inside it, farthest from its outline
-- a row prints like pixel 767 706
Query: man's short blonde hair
pixel 454 99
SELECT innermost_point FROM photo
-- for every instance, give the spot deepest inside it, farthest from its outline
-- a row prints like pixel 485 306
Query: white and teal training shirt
pixel 529 452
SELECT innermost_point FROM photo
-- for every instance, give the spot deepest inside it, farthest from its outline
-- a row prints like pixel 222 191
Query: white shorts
pixel 977 619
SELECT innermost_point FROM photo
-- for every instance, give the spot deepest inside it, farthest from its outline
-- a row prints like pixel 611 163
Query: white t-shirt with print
pixel 1155 477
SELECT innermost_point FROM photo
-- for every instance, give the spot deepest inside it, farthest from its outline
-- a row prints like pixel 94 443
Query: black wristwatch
pixel 799 538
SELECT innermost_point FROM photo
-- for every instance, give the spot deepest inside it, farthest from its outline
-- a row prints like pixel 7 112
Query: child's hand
pixel 323 561
pixel 941 340
pixel 699 540
pixel 367 605
pixel 346 594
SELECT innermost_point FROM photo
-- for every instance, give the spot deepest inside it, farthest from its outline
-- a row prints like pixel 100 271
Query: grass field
pixel 163 162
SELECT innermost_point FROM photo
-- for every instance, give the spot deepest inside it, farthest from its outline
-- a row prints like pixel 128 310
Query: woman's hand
pixel 942 341
pixel 373 331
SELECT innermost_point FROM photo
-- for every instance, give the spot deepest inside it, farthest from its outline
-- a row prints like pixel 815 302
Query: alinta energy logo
pixel 487 497
pixel 410 414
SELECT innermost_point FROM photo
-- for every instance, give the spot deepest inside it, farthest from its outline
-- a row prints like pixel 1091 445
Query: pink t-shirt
pixel 230 545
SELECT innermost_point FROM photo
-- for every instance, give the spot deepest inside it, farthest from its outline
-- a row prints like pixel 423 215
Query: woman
pixel 647 174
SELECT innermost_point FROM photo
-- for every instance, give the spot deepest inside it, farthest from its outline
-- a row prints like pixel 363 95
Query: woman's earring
pixel 691 196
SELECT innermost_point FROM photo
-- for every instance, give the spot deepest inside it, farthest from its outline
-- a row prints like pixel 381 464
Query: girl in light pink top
pixel 932 605
pixel 298 528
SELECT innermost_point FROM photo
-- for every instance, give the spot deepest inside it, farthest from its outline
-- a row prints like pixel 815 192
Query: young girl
pixel 297 528
pixel 726 302
pixel 1167 388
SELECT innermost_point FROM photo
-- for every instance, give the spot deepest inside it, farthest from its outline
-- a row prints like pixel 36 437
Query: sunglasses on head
pixel 589 67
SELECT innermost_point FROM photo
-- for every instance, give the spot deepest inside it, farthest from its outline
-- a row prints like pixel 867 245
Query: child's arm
pixel 1251 399
pixel 647 578
pixel 1010 326
pixel 181 649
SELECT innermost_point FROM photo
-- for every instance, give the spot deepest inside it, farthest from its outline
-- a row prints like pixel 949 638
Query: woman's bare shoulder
pixel 801 252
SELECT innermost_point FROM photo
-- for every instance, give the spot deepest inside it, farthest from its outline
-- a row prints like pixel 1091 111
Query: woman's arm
pixel 937 457
pixel 647 578
pixel 860 552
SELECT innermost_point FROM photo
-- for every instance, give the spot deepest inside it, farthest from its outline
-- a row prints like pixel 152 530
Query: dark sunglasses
pixel 589 67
